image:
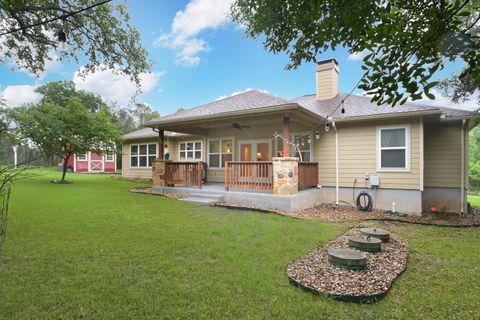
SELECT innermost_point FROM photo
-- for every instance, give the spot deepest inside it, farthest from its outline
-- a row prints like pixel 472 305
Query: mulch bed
pixel 316 274
pixel 342 213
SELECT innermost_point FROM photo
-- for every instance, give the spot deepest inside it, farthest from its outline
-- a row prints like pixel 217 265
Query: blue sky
pixel 198 57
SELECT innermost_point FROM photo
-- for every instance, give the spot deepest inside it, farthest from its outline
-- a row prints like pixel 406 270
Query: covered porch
pixel 272 153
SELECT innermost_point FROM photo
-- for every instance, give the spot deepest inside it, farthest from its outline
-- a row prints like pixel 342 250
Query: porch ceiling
pixel 298 118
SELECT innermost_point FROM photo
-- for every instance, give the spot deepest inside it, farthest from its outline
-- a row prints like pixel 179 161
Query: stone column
pixel 285 176
pixel 158 172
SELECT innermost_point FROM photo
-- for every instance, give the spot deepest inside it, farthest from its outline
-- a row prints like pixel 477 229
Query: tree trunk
pixel 65 161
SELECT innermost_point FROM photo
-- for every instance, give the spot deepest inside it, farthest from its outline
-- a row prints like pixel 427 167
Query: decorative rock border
pixel 316 274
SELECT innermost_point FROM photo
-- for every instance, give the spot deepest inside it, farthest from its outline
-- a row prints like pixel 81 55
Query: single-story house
pixel 318 148
pixel 91 162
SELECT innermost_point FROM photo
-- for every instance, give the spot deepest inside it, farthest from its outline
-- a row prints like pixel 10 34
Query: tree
pixel 405 42
pixel 143 112
pixel 59 92
pixel 123 118
pixel 66 129
pixel 31 33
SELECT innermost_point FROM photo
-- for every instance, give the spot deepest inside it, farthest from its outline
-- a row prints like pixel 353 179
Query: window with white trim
pixel 82 156
pixel 109 157
pixel 142 155
pixel 301 139
pixel 190 151
pixel 219 151
pixel 393 148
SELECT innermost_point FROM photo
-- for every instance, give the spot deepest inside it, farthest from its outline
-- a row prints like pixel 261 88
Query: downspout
pixel 337 201
pixel 462 187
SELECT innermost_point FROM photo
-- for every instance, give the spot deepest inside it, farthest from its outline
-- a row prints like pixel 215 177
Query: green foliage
pixel 58 92
pixel 66 129
pixel 405 42
pixel 143 112
pixel 102 35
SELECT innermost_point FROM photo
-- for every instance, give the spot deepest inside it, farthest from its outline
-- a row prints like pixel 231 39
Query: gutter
pixel 462 179
pixel 388 115
pixel 337 200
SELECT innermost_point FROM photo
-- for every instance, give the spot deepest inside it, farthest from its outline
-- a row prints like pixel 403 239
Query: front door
pixel 259 150
pixel 254 151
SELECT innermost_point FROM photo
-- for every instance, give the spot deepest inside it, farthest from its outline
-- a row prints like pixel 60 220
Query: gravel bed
pixel 315 273
pixel 344 213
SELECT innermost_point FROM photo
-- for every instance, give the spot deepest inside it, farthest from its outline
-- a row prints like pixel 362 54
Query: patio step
pixel 203 198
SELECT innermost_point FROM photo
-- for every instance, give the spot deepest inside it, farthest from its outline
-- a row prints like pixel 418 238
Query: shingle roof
pixel 148 133
pixel 355 106
pixel 252 99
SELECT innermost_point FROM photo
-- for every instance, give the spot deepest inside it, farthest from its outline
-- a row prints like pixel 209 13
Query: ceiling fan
pixel 238 126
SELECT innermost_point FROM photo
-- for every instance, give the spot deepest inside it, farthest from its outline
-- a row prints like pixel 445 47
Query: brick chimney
pixel 327 79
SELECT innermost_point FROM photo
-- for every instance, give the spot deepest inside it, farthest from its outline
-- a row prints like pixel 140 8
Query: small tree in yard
pixel 66 129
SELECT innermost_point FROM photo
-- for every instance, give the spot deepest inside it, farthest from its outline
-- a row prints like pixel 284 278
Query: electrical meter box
pixel 375 181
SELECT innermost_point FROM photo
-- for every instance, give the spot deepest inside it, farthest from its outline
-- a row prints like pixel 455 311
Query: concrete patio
pixel 215 192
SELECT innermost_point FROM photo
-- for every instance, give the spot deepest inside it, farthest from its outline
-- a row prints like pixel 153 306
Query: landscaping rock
pixel 315 273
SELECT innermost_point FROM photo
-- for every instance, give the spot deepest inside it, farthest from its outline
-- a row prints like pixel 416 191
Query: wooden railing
pixel 307 175
pixel 183 173
pixel 256 175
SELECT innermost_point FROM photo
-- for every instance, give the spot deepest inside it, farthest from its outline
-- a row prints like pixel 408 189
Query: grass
pixel 474 200
pixel 93 250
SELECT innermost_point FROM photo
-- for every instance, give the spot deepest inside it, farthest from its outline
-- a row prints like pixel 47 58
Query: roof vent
pixel 327 79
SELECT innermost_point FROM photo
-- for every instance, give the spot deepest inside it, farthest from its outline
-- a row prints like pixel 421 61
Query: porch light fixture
pixel 303 143
pixel 343 110
pixel 327 127
pixel 309 139
pixel 317 135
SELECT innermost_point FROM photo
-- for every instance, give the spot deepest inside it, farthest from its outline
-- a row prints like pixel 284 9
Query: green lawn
pixel 93 250
pixel 474 200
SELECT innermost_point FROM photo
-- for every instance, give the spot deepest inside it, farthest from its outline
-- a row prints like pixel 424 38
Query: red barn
pixel 92 162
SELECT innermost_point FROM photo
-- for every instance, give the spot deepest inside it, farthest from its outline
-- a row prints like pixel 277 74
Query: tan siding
pixel 358 155
pixel 135 173
pixel 443 155
pixel 327 83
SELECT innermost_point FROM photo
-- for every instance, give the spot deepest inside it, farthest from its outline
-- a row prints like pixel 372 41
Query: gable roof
pixel 356 106
pixel 148 133
pixel 249 100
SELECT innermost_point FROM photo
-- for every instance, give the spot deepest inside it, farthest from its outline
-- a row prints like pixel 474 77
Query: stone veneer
pixel 285 176
pixel 158 173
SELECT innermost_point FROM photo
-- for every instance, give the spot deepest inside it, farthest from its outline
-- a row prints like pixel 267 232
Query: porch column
pixel 286 136
pixel 161 144
pixel 285 176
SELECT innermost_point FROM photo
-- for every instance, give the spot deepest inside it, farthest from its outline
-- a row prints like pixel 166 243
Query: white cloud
pixel 114 87
pixel 198 16
pixel 234 93
pixel 20 94
pixel 357 56
pixel 442 101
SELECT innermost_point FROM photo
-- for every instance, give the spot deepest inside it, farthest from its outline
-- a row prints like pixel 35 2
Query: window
pixel 190 150
pixel 142 155
pixel 393 148
pixel 109 157
pixel 219 151
pixel 82 156
pixel 302 140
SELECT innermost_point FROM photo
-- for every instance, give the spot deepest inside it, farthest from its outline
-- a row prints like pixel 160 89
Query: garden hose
pixel 364 201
